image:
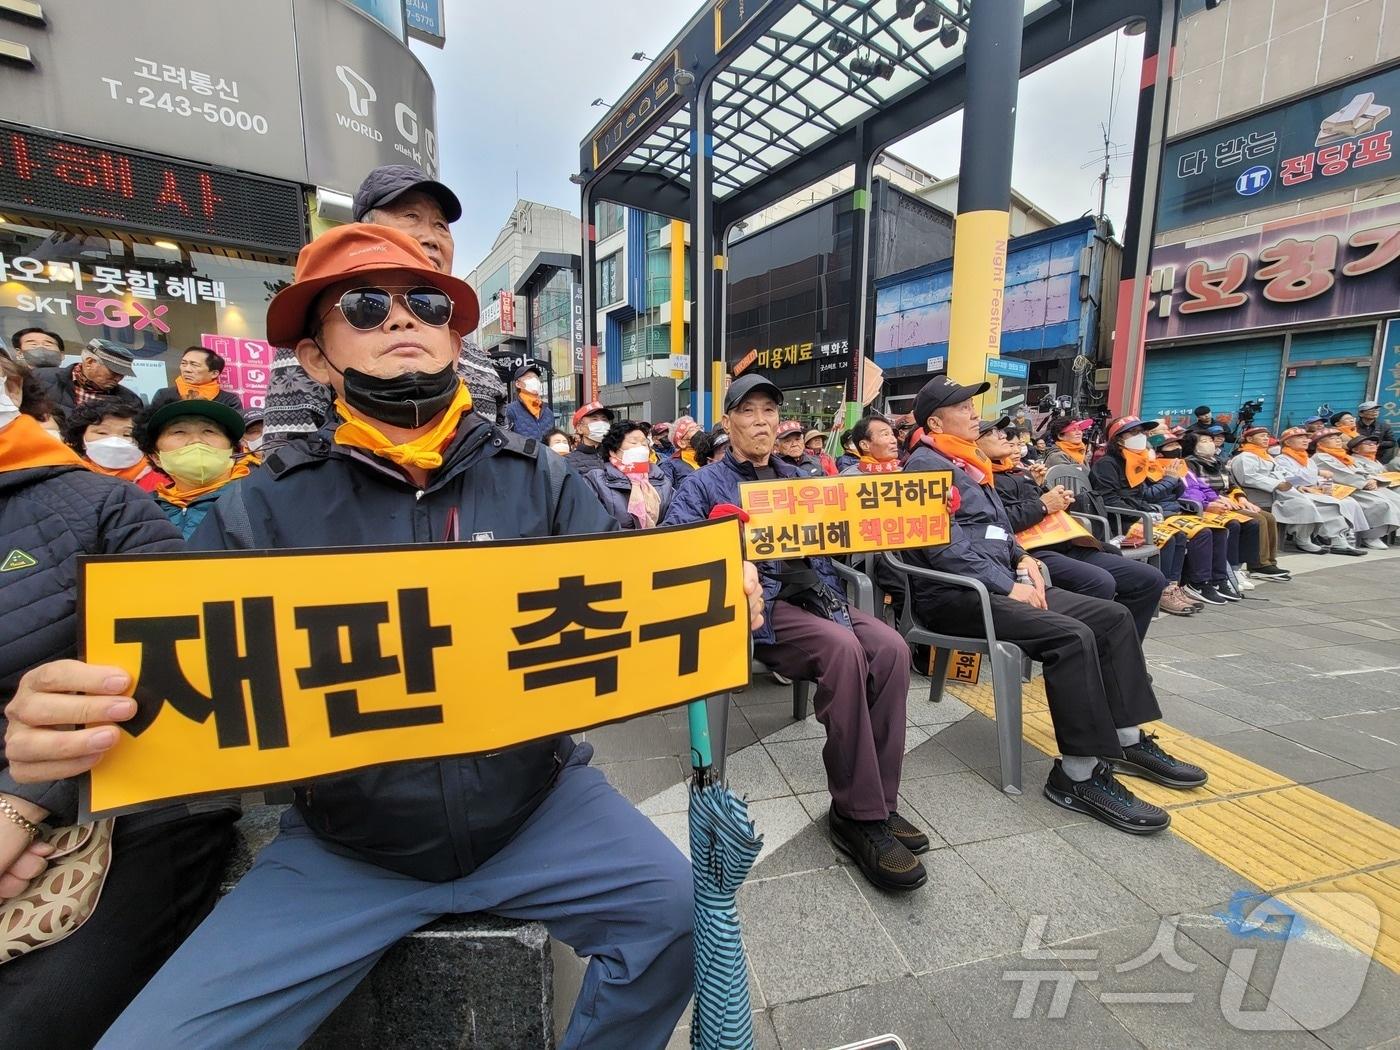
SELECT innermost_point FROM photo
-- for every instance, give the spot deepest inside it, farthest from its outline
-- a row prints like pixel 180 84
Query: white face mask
pixel 253 444
pixel 114 453
pixel 531 385
pixel 1136 442
pixel 636 454
pixel 1204 450
pixel 598 431
pixel 561 447
pixel 9 410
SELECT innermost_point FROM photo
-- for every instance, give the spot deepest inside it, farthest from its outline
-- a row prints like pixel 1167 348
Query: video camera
pixel 1250 409
pixel 1056 406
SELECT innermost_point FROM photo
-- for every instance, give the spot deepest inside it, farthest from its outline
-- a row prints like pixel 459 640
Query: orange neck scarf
pixel 1074 452
pixel 25 444
pixel 184 499
pixel 135 472
pixel 871 465
pixel 1340 455
pixel 1350 432
pixel 965 454
pixel 688 456
pixel 424 451
pixel 1138 463
pixel 205 391
pixel 1297 455
pixel 1255 450
pixel 532 402
pixel 1004 466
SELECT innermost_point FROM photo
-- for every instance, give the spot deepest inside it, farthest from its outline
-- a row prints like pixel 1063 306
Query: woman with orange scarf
pixel 103 432
pixel 1196 565
pixel 193 441
pixel 1067 442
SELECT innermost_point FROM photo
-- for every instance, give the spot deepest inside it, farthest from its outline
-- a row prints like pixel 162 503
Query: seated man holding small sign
pixel 528 831
pixel 1077 562
pixel 1095 677
pixel 859 664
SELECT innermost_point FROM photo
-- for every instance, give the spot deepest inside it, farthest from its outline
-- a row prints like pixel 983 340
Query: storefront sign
pixel 1334 139
pixel 279 668
pixel 1388 393
pixel 215 82
pixel 306 90
pixel 49 176
pixel 731 16
pixel 247 365
pixel 1315 268
pixel 425 21
pixel 825 517
pixel 507 313
pixel 576 316
pixel 1013 367
pixel 103 296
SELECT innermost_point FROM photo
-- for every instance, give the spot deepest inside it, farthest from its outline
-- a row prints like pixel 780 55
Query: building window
pixel 609 289
pixel 610 218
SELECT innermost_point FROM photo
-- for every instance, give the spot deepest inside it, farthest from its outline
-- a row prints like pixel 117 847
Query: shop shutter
pixel 1223 376
pixel 1333 385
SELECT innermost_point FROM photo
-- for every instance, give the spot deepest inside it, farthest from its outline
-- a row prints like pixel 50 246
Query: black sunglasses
pixel 365 309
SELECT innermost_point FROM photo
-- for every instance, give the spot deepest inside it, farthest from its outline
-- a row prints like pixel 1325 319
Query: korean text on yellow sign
pixel 255 669
pixel 1054 529
pixel 850 514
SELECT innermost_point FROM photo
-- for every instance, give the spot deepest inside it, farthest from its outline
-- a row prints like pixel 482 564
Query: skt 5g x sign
pixel 263 668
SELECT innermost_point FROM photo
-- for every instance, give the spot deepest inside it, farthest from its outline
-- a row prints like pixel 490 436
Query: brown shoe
pixel 1175 603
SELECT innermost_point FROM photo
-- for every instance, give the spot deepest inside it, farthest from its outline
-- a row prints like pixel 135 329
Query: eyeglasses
pixel 365 309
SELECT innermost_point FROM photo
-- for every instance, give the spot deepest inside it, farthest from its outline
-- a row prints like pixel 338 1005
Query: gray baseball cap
pixel 117 358
pixel 387 184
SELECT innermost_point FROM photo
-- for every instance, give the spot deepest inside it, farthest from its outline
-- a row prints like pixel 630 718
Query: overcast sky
pixel 515 82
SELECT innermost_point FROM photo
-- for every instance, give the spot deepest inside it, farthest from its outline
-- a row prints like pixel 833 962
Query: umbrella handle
pixel 699 715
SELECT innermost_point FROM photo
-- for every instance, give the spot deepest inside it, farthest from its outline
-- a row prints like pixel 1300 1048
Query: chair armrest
pixel 1191 506
pixel 951 579
pixel 865 589
pixel 1144 518
pixel 1089 521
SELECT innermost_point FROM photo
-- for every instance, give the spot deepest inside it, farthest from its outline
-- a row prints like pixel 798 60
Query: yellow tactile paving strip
pixel 1280 835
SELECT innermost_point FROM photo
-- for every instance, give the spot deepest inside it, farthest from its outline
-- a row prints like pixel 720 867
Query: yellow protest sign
pixel 849 514
pixel 261 668
pixel 1390 477
pixel 1055 529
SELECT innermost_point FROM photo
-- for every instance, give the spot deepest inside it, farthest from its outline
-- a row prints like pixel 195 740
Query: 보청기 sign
pixel 850 514
pixel 278 667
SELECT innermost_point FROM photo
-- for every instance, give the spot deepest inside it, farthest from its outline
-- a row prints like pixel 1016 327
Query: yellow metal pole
pixel 979 283
pixel 677 297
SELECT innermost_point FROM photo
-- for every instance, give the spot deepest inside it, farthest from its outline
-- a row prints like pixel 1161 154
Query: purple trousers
pixel 862 691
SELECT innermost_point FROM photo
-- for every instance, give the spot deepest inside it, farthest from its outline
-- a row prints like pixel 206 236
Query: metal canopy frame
pixel 767 87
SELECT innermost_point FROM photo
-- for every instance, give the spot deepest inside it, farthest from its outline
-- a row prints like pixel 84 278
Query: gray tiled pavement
pixel 1306 684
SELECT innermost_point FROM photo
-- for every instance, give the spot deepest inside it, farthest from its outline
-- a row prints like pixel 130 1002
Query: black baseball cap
pixel 940 391
pixel 747 384
pixel 228 419
pixel 988 425
pixel 525 369
pixel 387 184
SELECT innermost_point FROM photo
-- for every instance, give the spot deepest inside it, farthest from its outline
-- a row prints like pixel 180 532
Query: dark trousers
pixel 862 692
pixel 1206 554
pixel 1244 542
pixel 162 883
pixel 1135 585
pixel 1173 558
pixel 1095 676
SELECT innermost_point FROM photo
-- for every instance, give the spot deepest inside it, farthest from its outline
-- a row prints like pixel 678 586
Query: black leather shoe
pixel 914 840
pixel 883 859
pixel 1147 759
pixel 1104 798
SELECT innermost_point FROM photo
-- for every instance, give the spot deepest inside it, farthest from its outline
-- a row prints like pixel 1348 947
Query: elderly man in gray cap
pixel 1369 424
pixel 404 197
pixel 98 374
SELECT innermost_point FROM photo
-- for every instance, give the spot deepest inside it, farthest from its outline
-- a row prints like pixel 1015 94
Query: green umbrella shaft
pixel 700 735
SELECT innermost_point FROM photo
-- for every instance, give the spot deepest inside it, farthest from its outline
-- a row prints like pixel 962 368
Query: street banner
pixel 264 668
pixel 1054 529
pixel 849 514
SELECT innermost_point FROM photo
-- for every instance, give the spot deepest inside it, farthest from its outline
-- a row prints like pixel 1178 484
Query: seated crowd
pixel 396 447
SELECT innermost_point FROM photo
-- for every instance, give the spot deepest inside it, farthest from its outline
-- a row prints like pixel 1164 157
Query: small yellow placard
pixel 1054 529
pixel 849 514
pixel 262 668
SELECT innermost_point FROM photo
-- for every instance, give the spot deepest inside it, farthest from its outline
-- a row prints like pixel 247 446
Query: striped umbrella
pixel 723 847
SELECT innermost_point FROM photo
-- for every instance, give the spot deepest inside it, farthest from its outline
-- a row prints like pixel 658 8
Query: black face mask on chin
pixel 1170 453
pixel 407 401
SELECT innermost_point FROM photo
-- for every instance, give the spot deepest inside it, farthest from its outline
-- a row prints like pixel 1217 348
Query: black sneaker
pixel 1271 572
pixel 881 857
pixel 1228 591
pixel 914 840
pixel 1105 799
pixel 1205 592
pixel 1147 759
